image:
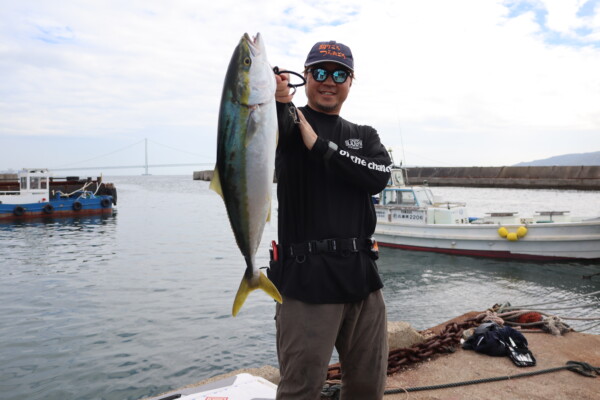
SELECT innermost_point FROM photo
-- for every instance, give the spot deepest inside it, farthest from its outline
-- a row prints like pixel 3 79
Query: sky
pixel 445 83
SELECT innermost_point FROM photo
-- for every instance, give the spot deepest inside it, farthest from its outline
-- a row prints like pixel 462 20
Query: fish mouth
pixel 254 44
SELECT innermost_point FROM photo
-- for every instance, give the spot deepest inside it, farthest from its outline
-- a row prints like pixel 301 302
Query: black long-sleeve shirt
pixel 325 193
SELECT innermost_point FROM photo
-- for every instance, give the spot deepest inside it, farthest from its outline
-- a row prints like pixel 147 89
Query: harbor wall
pixel 8 177
pixel 203 175
pixel 552 177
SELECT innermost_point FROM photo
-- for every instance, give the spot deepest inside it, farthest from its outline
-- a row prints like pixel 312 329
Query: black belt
pixel 328 246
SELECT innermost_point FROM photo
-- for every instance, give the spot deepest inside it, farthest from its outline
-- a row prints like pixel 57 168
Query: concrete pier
pixel 556 177
pixel 8 177
pixel 203 175
pixel 460 365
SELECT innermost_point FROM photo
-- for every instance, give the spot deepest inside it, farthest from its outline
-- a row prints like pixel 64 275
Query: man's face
pixel 327 96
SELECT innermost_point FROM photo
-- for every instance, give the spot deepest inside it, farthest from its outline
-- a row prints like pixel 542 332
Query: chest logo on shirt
pixel 354 144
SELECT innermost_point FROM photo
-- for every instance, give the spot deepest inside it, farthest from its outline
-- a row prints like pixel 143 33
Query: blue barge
pixel 35 194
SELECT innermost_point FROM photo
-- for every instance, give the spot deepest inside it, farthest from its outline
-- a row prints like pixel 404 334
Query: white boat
pixel 410 217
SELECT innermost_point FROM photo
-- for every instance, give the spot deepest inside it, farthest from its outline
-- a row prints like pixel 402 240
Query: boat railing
pixel 77 194
pixel 503 214
pixel 80 190
pixel 395 206
pixel 449 204
pixel 86 194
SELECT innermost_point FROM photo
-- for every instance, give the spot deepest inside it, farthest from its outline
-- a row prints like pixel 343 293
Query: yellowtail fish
pixel 247 137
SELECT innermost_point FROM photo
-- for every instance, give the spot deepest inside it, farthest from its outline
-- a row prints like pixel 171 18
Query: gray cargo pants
pixel 307 334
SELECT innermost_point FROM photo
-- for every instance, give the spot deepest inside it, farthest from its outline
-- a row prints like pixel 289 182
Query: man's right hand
pixel 282 92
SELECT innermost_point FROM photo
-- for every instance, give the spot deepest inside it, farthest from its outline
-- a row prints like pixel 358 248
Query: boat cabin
pixel 34 187
pixel 397 193
pixel 402 204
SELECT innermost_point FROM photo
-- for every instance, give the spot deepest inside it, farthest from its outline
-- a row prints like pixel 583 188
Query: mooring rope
pixel 332 390
pixel 582 368
pixel 549 302
pixel 570 308
pixel 589 327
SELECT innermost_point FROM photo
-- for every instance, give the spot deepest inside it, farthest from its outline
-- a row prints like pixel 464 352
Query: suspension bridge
pixel 146 166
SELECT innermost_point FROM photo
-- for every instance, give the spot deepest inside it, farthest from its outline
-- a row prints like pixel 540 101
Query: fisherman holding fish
pixel 327 169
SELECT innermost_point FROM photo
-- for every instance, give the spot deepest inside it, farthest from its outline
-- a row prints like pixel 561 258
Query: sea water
pixel 139 303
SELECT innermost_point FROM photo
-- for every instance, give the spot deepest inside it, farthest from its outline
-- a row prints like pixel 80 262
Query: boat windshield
pixel 399 197
pixel 424 197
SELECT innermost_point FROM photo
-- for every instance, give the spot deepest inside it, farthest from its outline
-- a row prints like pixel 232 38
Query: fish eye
pixel 247 61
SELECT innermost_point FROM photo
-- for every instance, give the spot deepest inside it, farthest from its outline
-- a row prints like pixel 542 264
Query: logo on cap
pixel 330 51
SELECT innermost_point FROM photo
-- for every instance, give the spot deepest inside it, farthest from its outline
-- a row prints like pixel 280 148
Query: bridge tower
pixel 146 157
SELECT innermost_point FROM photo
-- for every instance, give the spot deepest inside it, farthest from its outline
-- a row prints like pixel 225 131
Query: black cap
pixel 330 52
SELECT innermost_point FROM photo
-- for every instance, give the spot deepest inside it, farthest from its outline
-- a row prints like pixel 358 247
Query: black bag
pixel 494 340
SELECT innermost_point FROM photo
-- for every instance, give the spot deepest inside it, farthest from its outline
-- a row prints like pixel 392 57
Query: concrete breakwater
pixel 551 177
pixel 555 177
pixel 7 177
pixel 203 175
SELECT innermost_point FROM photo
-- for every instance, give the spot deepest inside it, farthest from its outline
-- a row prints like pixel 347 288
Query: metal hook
pixel 290 84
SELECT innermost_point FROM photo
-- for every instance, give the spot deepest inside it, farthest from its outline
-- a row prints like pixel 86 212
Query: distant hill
pixel 565 160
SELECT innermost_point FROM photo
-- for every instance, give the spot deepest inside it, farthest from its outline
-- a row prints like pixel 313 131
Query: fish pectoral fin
pixel 248 285
pixel 252 126
pixel 215 183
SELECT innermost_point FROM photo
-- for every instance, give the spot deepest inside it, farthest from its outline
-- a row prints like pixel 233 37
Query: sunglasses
pixel 321 74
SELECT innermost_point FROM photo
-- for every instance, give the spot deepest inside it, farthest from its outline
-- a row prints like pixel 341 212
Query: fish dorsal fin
pixel 215 183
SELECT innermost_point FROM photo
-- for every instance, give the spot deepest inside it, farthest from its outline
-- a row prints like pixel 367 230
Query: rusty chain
pixel 444 342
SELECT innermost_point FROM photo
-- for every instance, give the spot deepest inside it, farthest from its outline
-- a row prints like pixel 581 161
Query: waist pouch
pixel 275 264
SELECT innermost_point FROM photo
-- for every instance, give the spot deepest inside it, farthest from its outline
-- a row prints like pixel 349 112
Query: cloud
pixel 479 82
pixel 560 21
pixel 466 82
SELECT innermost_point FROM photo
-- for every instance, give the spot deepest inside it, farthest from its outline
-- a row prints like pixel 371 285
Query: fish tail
pixel 248 285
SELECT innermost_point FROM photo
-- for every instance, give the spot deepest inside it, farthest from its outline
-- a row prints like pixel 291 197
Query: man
pixel 327 170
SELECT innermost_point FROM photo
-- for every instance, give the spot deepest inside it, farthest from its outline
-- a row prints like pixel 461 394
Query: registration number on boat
pixel 409 216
